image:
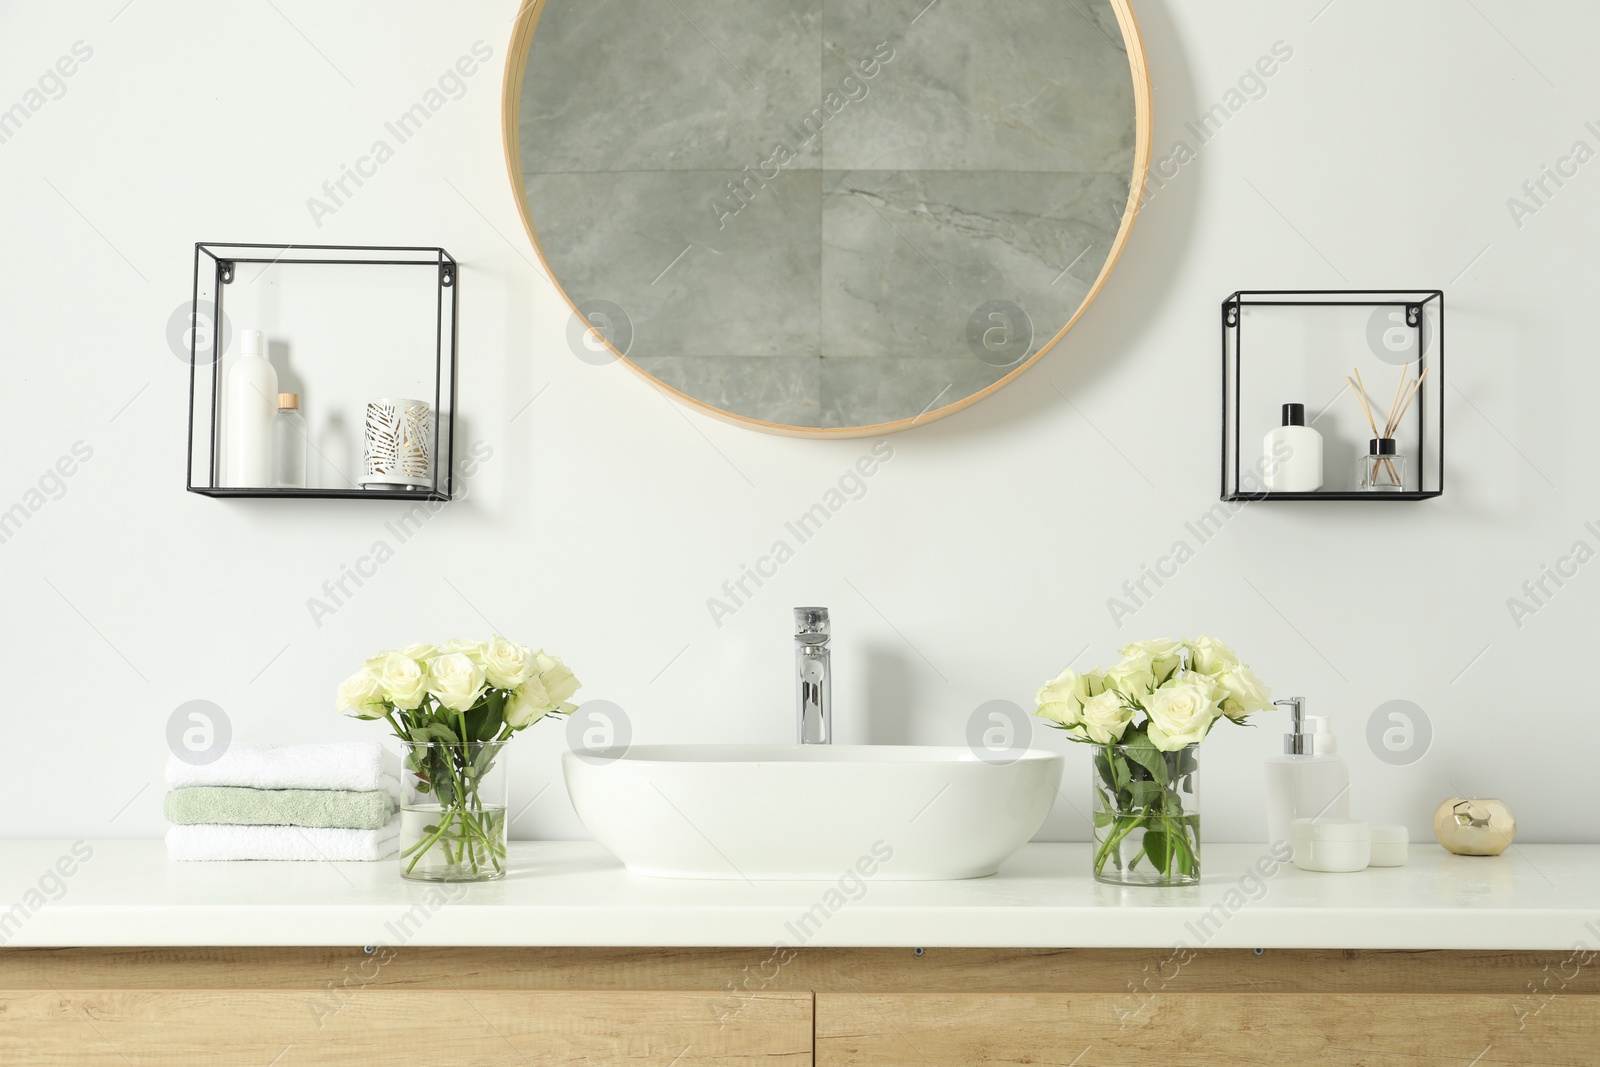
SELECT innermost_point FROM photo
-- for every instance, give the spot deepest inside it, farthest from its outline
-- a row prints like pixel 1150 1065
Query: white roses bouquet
pixel 452 705
pixel 460 690
pixel 1145 714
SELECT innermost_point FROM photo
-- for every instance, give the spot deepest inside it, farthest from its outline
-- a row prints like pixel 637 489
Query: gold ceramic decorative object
pixel 1476 827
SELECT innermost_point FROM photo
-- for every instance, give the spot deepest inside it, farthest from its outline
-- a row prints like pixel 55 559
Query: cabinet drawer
pixel 404 1028
pixel 1207 1029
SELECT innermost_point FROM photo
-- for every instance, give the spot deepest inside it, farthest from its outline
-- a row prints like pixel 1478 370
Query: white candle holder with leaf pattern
pixel 398 444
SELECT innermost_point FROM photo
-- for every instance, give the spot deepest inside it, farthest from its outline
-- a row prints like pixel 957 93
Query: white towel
pixel 357 765
pixel 210 841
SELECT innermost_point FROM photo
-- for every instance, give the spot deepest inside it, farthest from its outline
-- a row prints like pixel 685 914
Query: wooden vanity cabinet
pixel 425 1007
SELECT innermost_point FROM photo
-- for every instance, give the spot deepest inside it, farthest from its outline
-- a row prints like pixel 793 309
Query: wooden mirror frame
pixel 511 106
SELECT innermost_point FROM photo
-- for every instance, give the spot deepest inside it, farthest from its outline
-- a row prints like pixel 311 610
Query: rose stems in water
pixel 462 795
pixel 1121 827
pixel 457 823
pixel 475 837
pixel 446 821
pixel 1124 827
pixel 472 830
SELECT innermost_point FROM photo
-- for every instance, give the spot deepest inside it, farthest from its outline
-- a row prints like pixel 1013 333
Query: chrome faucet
pixel 813 677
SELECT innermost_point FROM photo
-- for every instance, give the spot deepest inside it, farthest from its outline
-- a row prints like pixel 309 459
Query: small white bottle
pixel 1309 781
pixel 251 404
pixel 288 444
pixel 1292 454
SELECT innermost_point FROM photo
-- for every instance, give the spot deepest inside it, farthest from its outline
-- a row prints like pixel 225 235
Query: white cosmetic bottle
pixel 251 406
pixel 1292 454
pixel 1309 781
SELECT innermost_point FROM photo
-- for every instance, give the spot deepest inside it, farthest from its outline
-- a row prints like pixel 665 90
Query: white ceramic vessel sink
pixel 766 812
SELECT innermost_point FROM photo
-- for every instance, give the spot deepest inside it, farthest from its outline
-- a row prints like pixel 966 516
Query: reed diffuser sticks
pixel 1395 417
pixel 1405 393
pixel 1360 392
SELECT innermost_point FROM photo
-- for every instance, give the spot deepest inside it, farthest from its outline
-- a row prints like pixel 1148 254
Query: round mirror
pixel 827 217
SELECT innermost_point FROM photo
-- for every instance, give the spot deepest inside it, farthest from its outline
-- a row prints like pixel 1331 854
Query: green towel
pixel 238 806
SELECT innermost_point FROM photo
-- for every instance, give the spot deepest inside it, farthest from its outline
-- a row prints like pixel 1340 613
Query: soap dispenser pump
pixel 1309 781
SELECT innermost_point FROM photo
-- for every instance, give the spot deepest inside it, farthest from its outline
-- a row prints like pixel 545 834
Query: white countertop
pixel 127 893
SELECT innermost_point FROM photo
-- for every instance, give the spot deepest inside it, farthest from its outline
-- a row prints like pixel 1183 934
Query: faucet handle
pixel 809 621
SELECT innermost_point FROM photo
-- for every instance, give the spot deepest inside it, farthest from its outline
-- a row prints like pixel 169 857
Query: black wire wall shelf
pixel 344 324
pixel 1303 342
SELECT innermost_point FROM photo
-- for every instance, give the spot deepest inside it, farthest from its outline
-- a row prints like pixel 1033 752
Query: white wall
pixel 982 556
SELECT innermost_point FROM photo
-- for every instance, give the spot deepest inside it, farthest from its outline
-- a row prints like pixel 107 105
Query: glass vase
pixel 1146 815
pixel 453 815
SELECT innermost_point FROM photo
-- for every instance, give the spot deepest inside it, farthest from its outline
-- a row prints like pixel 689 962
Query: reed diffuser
pixel 1383 468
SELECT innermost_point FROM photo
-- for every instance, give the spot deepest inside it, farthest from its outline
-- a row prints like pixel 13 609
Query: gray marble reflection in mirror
pixel 829 217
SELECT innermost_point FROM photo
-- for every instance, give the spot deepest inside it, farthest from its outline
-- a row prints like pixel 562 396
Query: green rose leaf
pixel 1144 752
pixel 494 717
pixel 1159 848
pixel 486 718
pixel 432 731
pixel 1121 776
pixel 1185 854
pixel 1145 794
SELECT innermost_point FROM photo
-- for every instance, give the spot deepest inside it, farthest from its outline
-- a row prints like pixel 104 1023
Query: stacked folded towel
pixel 285 802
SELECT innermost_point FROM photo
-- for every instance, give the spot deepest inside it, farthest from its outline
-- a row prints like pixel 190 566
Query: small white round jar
pixel 1389 845
pixel 1331 846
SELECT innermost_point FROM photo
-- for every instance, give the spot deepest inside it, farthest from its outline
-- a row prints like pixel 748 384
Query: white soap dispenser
pixel 1309 781
pixel 252 404
pixel 1292 454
